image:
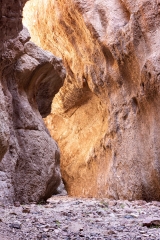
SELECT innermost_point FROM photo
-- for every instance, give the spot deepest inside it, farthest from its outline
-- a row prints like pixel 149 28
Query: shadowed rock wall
pixel 106 117
pixel 29 79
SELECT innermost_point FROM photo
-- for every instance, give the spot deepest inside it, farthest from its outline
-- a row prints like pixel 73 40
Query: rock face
pixel 106 117
pixel 29 79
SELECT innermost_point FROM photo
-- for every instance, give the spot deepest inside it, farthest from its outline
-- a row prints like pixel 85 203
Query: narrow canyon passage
pixel 81 94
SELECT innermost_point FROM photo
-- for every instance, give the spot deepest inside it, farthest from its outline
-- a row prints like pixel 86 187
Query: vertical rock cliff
pixel 106 117
pixel 29 79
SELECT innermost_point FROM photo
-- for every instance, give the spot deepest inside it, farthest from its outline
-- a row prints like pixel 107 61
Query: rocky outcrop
pixel 29 79
pixel 106 118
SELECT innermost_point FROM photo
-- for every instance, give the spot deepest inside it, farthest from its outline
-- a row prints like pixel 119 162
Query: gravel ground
pixel 79 218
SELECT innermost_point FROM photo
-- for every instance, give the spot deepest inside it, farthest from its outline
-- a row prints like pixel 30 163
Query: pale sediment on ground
pixel 79 218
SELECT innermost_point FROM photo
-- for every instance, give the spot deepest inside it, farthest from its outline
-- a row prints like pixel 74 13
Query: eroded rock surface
pixel 29 79
pixel 106 118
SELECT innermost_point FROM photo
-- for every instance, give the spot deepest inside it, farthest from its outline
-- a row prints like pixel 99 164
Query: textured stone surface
pixel 81 218
pixel 106 118
pixel 29 79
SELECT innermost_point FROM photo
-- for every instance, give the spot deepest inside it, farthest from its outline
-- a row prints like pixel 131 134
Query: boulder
pixel 29 79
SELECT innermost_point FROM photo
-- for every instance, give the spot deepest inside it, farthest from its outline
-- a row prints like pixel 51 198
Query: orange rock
pixel 106 117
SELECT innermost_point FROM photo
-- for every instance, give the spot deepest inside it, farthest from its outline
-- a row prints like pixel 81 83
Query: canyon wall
pixel 29 79
pixel 106 117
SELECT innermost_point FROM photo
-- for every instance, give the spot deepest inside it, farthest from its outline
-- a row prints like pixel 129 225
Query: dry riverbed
pixel 78 218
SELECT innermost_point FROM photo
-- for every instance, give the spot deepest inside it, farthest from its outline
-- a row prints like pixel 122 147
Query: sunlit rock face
pixel 29 79
pixel 106 117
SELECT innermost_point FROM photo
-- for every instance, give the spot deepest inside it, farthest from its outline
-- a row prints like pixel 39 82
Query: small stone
pixel 16 225
pixel 110 232
pixel 141 202
pixel 155 203
pixel 45 229
pixel 149 222
pixel 42 236
pixel 81 235
pixel 112 215
pixel 39 236
pixel 13 213
pixel 17 204
pixel 56 231
pixel 138 238
pixel 41 221
pixel 128 216
pixel 26 210
pixel 142 232
pixel 112 203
